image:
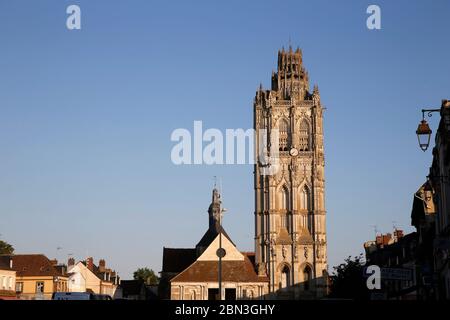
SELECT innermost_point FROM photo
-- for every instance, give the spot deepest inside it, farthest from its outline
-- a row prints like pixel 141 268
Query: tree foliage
pixel 146 274
pixel 6 248
pixel 347 281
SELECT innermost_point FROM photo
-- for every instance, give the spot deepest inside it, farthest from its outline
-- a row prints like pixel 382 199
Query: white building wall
pixel 7 280
pixel 82 278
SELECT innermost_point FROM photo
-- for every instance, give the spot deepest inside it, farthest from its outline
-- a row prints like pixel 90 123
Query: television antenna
pixel 375 229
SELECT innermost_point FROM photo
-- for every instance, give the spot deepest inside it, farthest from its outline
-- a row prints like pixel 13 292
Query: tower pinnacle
pixel 291 78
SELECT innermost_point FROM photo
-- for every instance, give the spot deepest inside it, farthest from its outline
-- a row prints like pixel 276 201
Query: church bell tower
pixel 290 232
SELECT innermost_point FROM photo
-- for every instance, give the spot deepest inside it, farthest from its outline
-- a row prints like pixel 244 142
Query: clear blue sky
pixel 86 117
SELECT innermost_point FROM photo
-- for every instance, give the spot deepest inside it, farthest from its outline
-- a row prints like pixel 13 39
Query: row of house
pixel 417 265
pixel 36 277
pixel 395 253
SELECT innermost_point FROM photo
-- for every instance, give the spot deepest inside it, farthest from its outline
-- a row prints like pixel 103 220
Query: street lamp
pixel 423 135
pixel 423 130
pixel 221 252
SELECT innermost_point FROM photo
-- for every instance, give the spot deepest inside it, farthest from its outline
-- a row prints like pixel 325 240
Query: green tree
pixel 6 248
pixel 146 274
pixel 347 281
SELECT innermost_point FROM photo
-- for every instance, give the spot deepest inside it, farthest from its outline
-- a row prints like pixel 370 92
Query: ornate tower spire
pixel 290 232
pixel 214 210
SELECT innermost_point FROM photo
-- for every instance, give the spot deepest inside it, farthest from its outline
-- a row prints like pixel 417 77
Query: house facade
pixel 7 278
pixel 439 178
pixel 396 255
pixel 239 279
pixel 37 277
pixel 423 218
pixel 431 216
pixel 85 276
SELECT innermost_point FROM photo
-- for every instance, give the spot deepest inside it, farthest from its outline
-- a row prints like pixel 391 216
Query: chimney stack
pixel 70 262
pixel 90 263
pixel 386 239
pixel 379 240
pixel 398 234
pixel 102 265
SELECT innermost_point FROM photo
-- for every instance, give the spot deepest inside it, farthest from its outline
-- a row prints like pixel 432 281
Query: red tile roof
pixel 101 274
pixel 27 265
pixel 207 271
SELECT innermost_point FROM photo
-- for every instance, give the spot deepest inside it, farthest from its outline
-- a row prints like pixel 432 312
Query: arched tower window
pixel 285 198
pixel 307 275
pixel 305 197
pixel 285 204
pixel 304 137
pixel 310 222
pixel 283 128
pixel 285 277
pixel 305 204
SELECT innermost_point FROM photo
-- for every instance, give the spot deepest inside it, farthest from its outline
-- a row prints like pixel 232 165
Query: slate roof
pixel 177 259
pixel 4 262
pixel 210 235
pixel 251 256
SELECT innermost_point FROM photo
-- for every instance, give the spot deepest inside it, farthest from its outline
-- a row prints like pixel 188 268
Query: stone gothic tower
pixel 290 232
